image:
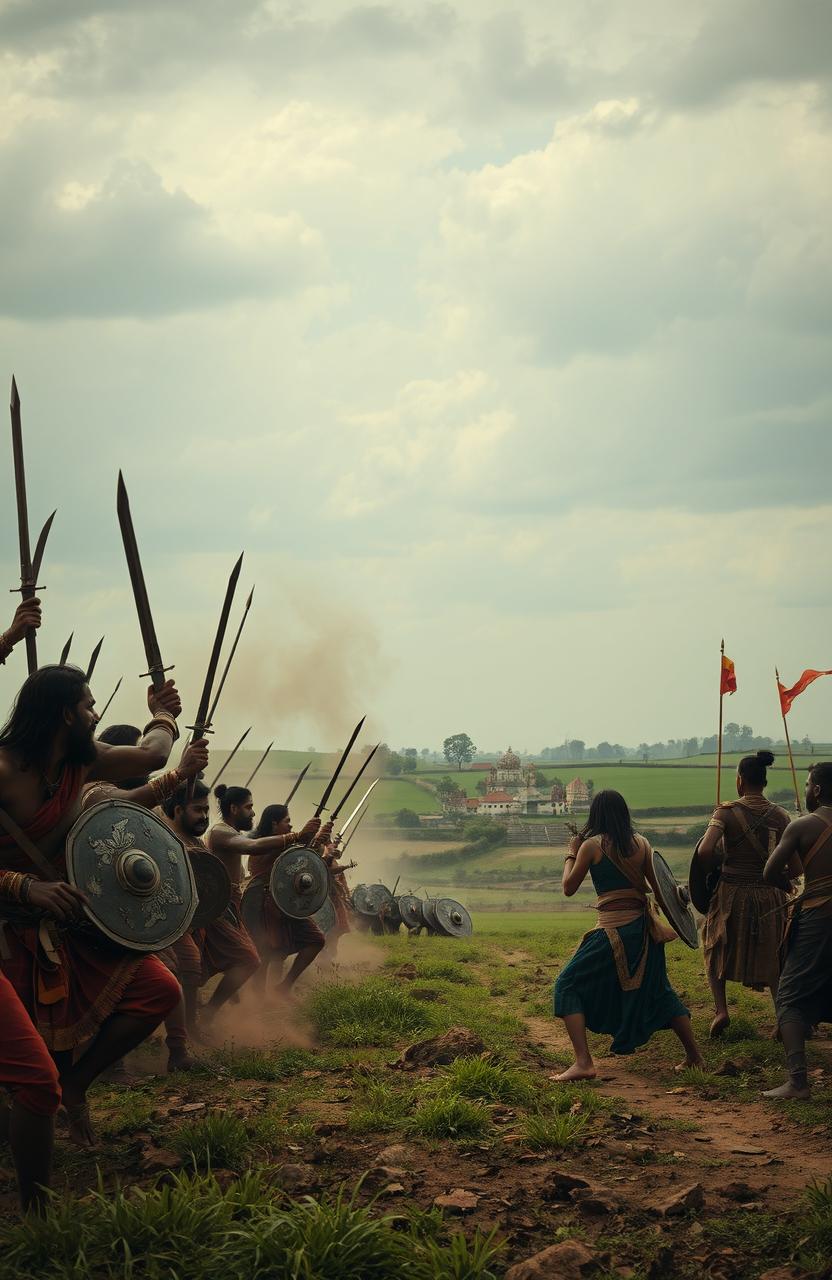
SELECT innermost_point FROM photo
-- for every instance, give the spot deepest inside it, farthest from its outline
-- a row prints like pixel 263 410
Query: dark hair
pixel 38 711
pixel 610 817
pixel 752 769
pixel 120 735
pixel 271 814
pixel 180 796
pixel 821 775
pixel 227 796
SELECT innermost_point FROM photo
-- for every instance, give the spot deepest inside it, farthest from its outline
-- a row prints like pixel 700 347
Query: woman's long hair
pixel 271 814
pixel 610 817
pixel 38 712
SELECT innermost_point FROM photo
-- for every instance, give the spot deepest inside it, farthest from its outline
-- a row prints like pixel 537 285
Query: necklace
pixel 51 788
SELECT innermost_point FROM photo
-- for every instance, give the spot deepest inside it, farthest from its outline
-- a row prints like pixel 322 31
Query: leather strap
pixel 749 829
pixel 28 846
pixel 818 845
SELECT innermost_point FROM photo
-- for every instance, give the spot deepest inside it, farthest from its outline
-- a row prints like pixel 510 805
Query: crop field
pixel 305 1147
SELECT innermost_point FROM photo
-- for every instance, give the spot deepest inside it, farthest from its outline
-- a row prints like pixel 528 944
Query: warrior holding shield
pixel 744 926
pixel 616 982
pixel 76 989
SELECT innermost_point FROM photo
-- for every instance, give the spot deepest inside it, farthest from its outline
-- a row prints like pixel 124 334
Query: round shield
pixel 251 908
pixel 674 901
pixel 703 878
pixel 213 887
pixel 371 899
pixel 136 875
pixel 429 915
pixel 410 910
pixel 299 882
pixel 325 917
pixel 452 918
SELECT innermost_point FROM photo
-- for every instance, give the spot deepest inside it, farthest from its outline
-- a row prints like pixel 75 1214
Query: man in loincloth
pixel 743 929
pixel 189 818
pixel 804 997
pixel 227 947
pixel 281 936
pixel 150 793
pixel 75 987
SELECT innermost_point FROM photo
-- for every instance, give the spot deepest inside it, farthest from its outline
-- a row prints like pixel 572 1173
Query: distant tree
pixel 459 749
pixel 406 818
pixel 411 760
pixel 381 760
pixel 540 779
pixel 395 764
pixel 450 794
pixel 576 749
pixel 425 753
pixel 605 751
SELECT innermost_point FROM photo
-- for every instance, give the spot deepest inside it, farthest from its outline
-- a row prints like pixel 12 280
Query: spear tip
pixel 250 597
pixel 15 395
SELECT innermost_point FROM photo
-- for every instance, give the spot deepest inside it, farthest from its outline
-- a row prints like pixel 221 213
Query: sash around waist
pixel 742 875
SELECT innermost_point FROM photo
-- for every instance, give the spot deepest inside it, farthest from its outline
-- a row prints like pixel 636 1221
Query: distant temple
pixel 509 774
pixel 578 795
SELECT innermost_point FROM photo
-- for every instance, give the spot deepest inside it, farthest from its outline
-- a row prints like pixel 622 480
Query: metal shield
pixel 429 915
pixel 452 918
pixel 299 882
pixel 325 917
pixel 703 878
pixel 674 901
pixel 410 910
pixel 371 899
pixel 251 909
pixel 135 872
pixel 213 887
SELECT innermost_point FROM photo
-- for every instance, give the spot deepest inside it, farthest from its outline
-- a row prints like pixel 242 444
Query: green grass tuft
pixel 553 1131
pixel 489 1081
pixel 371 1012
pixel 449 1116
pixel 218 1141
pixel 379 1108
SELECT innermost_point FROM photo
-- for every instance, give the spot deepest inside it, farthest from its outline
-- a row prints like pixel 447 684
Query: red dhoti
pixel 26 1069
pixel 285 936
pixel 227 944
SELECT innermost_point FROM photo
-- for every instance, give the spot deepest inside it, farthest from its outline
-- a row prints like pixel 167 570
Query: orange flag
pixel 787 696
pixel 727 680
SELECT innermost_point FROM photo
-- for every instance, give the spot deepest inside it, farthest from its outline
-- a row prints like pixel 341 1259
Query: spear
pixel 298 780
pixel 348 748
pixel 29 566
pixel 357 809
pixel 351 836
pixel 203 719
pixel 230 656
pixel 354 783
pixel 94 659
pixel 109 700
pixel 256 768
pixel 230 757
pixel 65 650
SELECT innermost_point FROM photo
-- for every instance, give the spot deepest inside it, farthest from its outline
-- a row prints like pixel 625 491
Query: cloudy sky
pixel 497 335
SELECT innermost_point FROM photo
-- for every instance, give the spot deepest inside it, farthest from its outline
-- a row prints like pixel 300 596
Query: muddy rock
pixel 407 972
pixel 398 1155
pixel 457 1201
pixel 382 1174
pixel 159 1159
pixel 454 1043
pixel 561 1183
pixel 681 1201
pixel 738 1191
pixel 595 1201
pixel 570 1260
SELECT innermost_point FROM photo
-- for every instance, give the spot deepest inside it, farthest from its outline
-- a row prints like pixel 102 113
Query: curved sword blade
pixel 27 580
pixel 152 652
pixel 109 700
pixel 40 547
pixel 202 721
pixel 351 836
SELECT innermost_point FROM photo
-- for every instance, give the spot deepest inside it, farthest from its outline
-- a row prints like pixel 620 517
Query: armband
pixel 162 720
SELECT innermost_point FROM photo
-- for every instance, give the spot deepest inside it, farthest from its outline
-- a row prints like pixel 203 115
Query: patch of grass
pixel 579 1098
pixel 380 1108
pixel 553 1131
pixel 272 1129
pixel 266 1064
pixel 448 970
pixel 191 1227
pixel 449 1116
pixel 740 1028
pixel 489 1081
pixel 131 1112
pixel 674 1124
pixel 371 1012
pixel 218 1141
pixel 754 1237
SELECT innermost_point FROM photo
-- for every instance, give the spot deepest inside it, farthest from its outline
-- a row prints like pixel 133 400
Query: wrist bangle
pixel 162 720
pixel 6 647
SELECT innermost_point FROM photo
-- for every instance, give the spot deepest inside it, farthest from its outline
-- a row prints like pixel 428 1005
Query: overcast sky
pixel 497 335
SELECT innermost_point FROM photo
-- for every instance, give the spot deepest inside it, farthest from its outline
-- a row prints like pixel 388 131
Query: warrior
pixel 804 996
pixel 189 817
pixel 75 988
pixel 616 982
pixel 339 895
pixel 152 792
pixel 227 947
pixel 743 928
pixel 282 936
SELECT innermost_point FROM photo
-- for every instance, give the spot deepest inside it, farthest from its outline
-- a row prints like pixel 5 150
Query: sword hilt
pixel 157 673
pixel 199 730
pixel 25 586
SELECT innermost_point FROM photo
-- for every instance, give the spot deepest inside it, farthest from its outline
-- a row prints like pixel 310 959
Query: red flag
pixel 727 679
pixel 787 696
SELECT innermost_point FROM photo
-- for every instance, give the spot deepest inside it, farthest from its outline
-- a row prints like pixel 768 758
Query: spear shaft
pixel 230 757
pixel 298 780
pixel 339 767
pixel 354 783
pixel 230 656
pixel 109 700
pixel 256 768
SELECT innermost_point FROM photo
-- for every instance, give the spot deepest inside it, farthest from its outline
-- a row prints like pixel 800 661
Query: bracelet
pixel 164 786
pixel 6 647
pixel 571 857
pixel 163 720
pixel 12 884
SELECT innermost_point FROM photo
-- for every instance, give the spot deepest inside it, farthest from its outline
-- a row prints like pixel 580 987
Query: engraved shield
pixel 371 900
pixel 135 872
pixel 299 882
pixel 325 917
pixel 213 887
pixel 674 900
pixel 452 918
pixel 410 910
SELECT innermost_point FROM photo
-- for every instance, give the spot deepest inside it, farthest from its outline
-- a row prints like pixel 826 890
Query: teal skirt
pixel 589 985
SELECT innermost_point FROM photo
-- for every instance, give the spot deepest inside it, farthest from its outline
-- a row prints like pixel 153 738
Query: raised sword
pixel 93 659
pixel 155 667
pixel 345 828
pixel 29 565
pixel 65 650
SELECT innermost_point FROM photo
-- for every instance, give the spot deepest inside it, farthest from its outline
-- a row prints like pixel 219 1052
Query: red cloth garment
pixel 226 943
pixel 187 958
pixel 286 936
pixel 26 1068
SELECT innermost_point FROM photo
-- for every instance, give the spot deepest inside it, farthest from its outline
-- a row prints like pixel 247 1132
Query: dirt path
pixel 751 1141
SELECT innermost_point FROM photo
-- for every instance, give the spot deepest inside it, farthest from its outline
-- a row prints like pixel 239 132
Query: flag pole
pixel 788 744
pixel 720 734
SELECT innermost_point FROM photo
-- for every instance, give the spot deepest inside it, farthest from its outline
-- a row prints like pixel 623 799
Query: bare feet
pixel 81 1131
pixel 691 1062
pixel 789 1090
pixel 181 1060
pixel 577 1072
pixel 719 1024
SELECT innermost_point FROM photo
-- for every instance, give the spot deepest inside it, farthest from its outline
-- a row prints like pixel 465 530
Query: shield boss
pixel 299 882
